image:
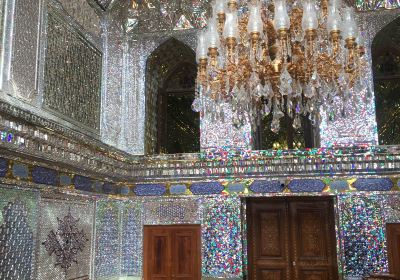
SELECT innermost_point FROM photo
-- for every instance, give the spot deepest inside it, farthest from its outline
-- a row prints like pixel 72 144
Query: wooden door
pixel 291 239
pixel 313 240
pixel 268 241
pixel 393 247
pixel 172 252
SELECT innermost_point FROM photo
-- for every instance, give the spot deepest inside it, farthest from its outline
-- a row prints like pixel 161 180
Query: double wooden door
pixel 393 246
pixel 172 252
pixel 291 239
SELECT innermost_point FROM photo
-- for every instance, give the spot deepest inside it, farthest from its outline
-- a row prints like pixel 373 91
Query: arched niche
pixel 171 125
pixel 385 50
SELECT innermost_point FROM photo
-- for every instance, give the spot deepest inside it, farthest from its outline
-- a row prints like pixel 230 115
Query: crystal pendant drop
pixel 285 83
pixel 308 92
pixel 278 114
pixel 275 126
pixel 297 122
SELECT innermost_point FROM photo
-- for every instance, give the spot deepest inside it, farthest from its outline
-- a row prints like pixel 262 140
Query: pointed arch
pixel 171 60
pixel 385 50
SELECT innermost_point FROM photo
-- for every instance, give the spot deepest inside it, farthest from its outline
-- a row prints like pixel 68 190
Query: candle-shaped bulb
pixel 255 21
pixel 309 20
pixel 349 27
pixel 334 21
pixel 231 25
pixel 281 18
pixel 212 33
pixel 202 48
pixel 219 7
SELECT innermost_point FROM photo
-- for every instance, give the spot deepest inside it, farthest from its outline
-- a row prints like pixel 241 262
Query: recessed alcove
pixel 385 50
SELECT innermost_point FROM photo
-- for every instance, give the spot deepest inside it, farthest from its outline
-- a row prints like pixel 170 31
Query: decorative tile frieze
pixel 264 186
pixel 204 188
pixel 306 185
pixel 82 183
pixel 373 184
pixel 20 170
pixel 46 176
pixel 150 189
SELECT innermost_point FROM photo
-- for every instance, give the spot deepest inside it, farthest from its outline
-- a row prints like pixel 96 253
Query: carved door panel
pixel 186 254
pixel 393 246
pixel 157 252
pixel 172 252
pixel 313 240
pixel 291 239
pixel 268 241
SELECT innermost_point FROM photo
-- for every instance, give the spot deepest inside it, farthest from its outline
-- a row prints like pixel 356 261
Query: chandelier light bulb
pixel 255 24
pixel 309 20
pixel 202 48
pixel 219 7
pixel 231 25
pixel 212 34
pixel 336 3
pixel 281 19
pixel 350 30
pixel 334 20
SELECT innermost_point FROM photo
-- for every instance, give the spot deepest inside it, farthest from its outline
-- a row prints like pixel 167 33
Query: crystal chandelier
pixel 272 57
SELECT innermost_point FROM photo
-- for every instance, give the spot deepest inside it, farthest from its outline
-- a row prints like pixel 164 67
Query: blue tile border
pixel 20 170
pixel 204 188
pixel 46 176
pixel 150 189
pixel 124 190
pixel 373 184
pixel 65 180
pixel 306 185
pixel 3 167
pixel 267 186
pixel 236 187
pixel 109 188
pixel 82 183
pixel 340 185
pixel 177 189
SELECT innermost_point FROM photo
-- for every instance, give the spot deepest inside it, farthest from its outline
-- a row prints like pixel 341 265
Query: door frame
pixel 146 244
pixel 248 236
pixel 391 230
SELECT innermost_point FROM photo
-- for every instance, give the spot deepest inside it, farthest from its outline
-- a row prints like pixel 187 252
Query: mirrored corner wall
pixel 51 66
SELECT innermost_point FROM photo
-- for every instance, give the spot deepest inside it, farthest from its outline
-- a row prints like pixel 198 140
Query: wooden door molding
pixel 393 247
pixel 172 252
pixel 291 238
